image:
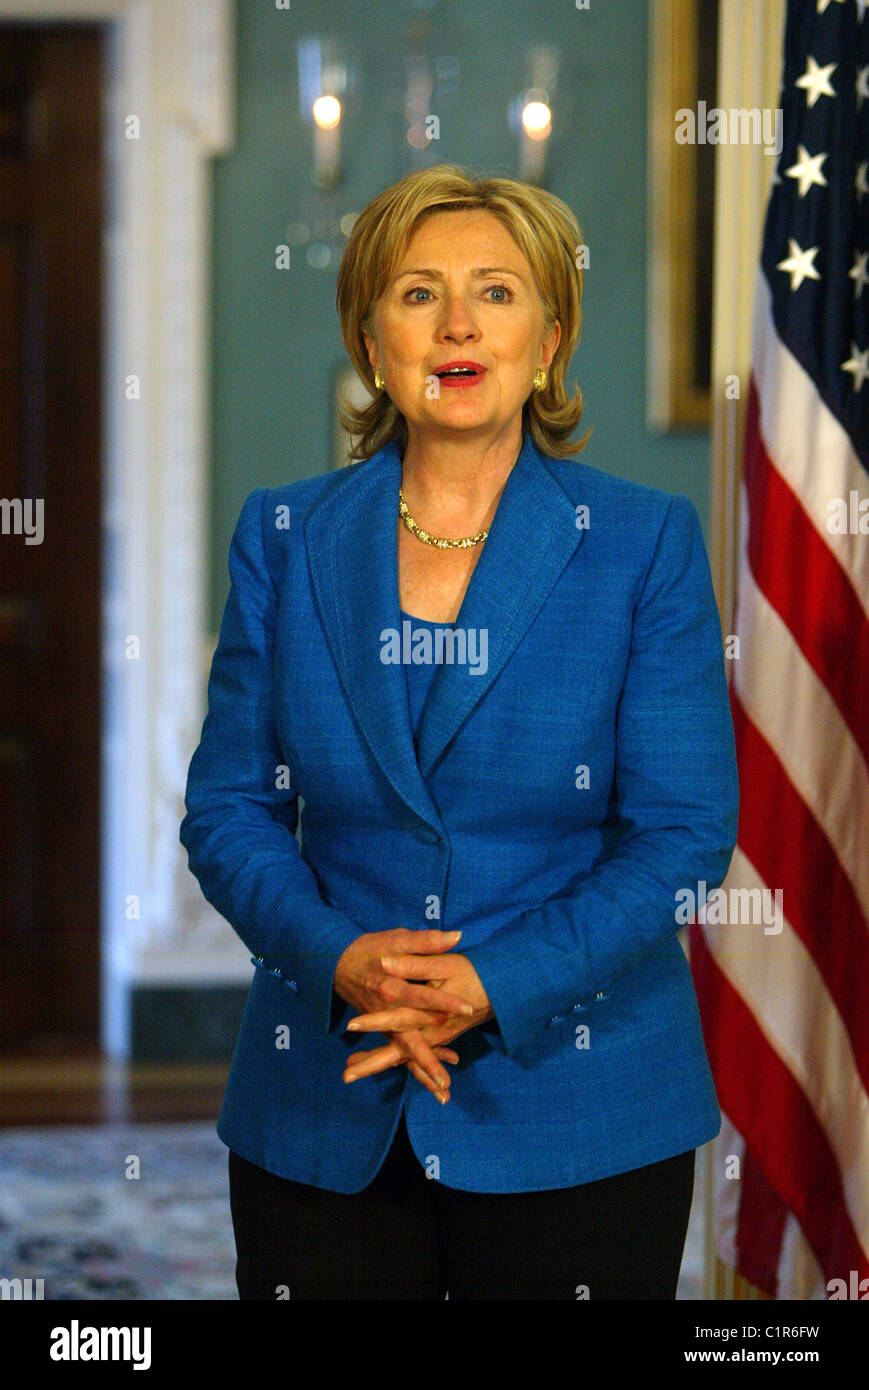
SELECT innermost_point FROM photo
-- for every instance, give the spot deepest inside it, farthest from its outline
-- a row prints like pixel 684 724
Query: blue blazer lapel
pixel 352 548
pixel 531 539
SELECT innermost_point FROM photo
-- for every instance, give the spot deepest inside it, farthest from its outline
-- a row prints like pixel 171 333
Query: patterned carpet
pixel 70 1215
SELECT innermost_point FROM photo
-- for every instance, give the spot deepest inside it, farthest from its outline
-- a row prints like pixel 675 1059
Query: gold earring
pixel 378 379
pixel 539 379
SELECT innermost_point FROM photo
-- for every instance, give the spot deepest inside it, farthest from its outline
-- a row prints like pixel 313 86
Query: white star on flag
pixel 799 264
pixel 817 80
pixel 807 170
pixel 860 181
pixel 858 272
pixel 862 86
pixel 823 4
pixel 861 10
pixel 858 363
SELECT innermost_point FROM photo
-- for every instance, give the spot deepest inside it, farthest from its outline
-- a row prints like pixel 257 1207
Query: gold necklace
pixel 442 542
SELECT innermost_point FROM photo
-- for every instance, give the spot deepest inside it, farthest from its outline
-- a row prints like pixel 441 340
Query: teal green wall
pixel 276 341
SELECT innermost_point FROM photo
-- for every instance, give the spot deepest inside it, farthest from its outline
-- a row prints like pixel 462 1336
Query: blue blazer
pixel 551 807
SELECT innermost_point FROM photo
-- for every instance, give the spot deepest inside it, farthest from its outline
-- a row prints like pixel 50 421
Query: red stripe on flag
pixel 782 840
pixel 803 581
pixel 760 1228
pixel 776 1120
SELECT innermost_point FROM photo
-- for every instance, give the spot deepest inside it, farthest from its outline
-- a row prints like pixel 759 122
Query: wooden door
pixel 50 514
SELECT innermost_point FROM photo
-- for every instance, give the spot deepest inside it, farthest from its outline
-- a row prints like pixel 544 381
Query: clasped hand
pixel 377 974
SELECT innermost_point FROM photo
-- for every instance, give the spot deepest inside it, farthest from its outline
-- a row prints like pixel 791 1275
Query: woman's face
pixel 463 292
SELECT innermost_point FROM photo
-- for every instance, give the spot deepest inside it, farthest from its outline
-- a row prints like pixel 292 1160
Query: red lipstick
pixel 460 373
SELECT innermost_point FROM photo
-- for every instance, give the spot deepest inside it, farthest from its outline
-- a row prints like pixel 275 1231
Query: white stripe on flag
pixel 728 1191
pixel 799 1274
pixel 786 700
pixel 805 441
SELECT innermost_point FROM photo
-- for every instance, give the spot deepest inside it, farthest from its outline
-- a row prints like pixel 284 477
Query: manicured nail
pixel 351 1076
pixel 387 961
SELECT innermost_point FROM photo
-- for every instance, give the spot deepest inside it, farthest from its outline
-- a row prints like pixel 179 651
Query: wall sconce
pixel 536 120
pixel 327 141
pixel 324 79
pixel 531 114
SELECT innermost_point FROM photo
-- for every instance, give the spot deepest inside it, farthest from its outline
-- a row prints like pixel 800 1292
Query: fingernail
pixel 351 1076
pixel 467 1010
pixel 387 960
pixel 455 934
pixel 352 1027
pixel 443 1084
pixel 443 1099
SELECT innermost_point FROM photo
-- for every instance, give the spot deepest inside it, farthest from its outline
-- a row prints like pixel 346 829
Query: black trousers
pixel 407 1236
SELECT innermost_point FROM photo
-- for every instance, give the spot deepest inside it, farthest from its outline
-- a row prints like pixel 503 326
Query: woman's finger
pixel 421 1052
pixel 407 1046
pixel 369 1063
pixel 431 940
pixel 441 1033
pixel 412 1047
pixel 425 1080
pixel 395 1020
pixel 400 993
pixel 414 967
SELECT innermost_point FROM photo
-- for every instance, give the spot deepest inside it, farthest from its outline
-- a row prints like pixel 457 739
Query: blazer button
pixel 428 837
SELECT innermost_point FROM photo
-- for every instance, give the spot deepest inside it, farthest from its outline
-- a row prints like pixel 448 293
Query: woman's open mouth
pixel 460 374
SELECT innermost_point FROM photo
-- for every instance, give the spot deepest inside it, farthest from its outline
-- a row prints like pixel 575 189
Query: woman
pixel 471 1059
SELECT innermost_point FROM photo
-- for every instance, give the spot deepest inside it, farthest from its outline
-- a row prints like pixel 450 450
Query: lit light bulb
pixel 536 120
pixel 327 112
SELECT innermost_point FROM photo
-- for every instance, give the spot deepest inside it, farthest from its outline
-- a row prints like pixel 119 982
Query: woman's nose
pixel 458 316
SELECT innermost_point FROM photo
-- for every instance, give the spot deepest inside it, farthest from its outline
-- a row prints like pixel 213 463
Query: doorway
pixel 51 218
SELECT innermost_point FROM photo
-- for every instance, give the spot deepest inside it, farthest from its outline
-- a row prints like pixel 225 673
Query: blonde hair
pixel 544 229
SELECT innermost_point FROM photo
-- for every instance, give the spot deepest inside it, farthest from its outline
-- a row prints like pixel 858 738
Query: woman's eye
pixel 503 294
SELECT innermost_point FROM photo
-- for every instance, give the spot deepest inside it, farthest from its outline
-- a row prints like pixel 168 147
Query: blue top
pixel 419 674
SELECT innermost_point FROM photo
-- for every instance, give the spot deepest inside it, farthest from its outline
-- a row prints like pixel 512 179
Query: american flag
pixel 786 1007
